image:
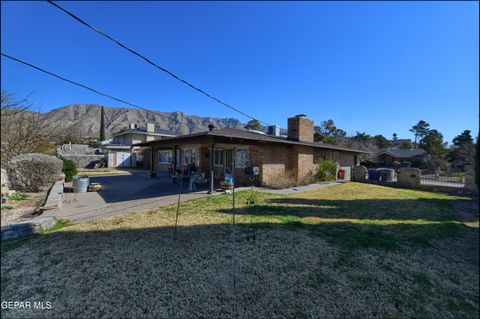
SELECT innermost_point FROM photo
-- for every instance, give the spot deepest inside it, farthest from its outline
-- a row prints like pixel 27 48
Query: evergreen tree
pixel 253 125
pixel 102 125
pixel 464 138
pixel 420 130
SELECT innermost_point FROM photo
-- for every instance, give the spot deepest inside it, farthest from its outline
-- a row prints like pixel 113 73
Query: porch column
pixel 175 160
pixel 151 160
pixel 212 154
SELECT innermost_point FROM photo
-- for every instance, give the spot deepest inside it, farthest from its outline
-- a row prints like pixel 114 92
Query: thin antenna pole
pixel 178 206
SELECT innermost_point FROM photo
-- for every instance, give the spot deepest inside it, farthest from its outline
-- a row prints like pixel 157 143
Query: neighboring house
pixel 219 152
pixel 404 143
pixel 120 151
pixel 388 156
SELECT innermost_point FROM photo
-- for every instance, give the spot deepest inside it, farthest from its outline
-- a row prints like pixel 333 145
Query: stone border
pixel 46 220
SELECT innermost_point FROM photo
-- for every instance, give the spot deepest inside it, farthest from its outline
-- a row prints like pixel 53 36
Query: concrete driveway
pixel 123 194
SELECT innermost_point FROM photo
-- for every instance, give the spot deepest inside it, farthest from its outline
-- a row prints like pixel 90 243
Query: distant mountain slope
pixel 85 119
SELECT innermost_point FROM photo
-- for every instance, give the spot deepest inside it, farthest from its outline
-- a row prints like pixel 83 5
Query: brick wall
pixel 272 160
pixel 300 129
pixel 303 163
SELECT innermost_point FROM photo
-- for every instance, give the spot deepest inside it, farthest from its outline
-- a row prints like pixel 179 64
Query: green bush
pixel 69 169
pixel 18 196
pixel 406 164
pixel 326 170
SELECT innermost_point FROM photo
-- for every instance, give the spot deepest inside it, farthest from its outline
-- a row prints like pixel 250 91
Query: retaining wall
pixel 49 217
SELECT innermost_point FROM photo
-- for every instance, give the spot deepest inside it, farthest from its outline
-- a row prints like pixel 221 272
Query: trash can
pixel 80 184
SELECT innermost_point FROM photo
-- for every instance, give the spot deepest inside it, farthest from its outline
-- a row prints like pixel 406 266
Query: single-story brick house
pixel 235 149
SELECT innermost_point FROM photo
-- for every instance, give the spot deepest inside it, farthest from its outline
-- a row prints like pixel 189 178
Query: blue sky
pixel 376 67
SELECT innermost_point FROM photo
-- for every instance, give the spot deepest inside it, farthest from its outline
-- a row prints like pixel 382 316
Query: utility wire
pixel 84 86
pixel 150 62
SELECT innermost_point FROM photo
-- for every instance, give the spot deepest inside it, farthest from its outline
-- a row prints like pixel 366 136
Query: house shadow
pixel 435 210
pixel 120 188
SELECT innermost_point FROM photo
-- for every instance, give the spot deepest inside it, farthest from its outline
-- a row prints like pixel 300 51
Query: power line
pixel 78 19
pixel 84 86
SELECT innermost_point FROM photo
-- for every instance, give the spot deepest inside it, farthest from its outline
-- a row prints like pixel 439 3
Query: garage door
pixel 124 159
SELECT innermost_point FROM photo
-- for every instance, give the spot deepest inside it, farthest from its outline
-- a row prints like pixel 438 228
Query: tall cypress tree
pixel 102 125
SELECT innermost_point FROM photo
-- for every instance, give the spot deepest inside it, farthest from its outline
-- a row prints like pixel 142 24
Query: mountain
pixel 84 120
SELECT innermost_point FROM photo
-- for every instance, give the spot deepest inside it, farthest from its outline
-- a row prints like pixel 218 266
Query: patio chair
pixel 197 178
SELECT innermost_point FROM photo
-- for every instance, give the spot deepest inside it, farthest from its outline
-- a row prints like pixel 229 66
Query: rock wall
pixel 4 180
pixel 470 179
pixel 409 176
pixel 82 155
pixel 359 172
pixel 85 161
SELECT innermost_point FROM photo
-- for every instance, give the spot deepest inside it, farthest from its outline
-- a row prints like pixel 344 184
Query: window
pixel 218 158
pixel 242 158
pixel 190 156
pixel 165 157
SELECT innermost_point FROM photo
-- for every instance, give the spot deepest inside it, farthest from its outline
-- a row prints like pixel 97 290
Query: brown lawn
pixel 351 250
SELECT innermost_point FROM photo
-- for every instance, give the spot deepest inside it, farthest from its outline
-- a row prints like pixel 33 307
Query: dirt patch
pixel 21 210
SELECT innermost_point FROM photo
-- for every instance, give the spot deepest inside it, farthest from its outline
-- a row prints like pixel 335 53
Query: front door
pixel 228 162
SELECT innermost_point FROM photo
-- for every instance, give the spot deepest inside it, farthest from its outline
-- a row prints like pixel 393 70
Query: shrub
pixel 7 207
pixel 18 196
pixel 69 169
pixel 286 180
pixel 32 172
pixel 326 170
pixel 406 164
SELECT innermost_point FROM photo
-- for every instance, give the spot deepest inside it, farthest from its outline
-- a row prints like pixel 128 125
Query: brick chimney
pixel 150 127
pixel 300 128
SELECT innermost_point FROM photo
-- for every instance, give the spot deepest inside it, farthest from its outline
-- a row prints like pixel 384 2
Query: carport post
pixel 212 154
pixel 151 161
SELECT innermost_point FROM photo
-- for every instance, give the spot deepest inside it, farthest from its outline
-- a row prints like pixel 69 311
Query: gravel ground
pixel 22 210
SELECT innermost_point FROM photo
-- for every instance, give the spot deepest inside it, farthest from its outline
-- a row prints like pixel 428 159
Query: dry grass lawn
pixel 351 250
pixel 92 172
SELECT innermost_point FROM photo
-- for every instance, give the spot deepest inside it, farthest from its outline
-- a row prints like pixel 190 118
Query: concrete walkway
pixel 292 190
pixel 122 194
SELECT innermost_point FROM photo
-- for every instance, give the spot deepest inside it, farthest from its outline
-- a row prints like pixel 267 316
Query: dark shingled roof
pixel 248 135
pixel 402 153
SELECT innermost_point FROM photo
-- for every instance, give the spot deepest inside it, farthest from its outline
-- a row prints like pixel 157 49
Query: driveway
pixel 124 194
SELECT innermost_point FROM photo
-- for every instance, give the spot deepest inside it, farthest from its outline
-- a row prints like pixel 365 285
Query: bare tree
pixel 23 130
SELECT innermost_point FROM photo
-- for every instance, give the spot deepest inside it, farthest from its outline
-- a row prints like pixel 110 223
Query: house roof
pixel 402 153
pixel 247 135
pixel 139 131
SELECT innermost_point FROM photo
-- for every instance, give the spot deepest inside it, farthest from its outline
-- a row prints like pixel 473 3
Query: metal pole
pixel 178 206
pixel 212 154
